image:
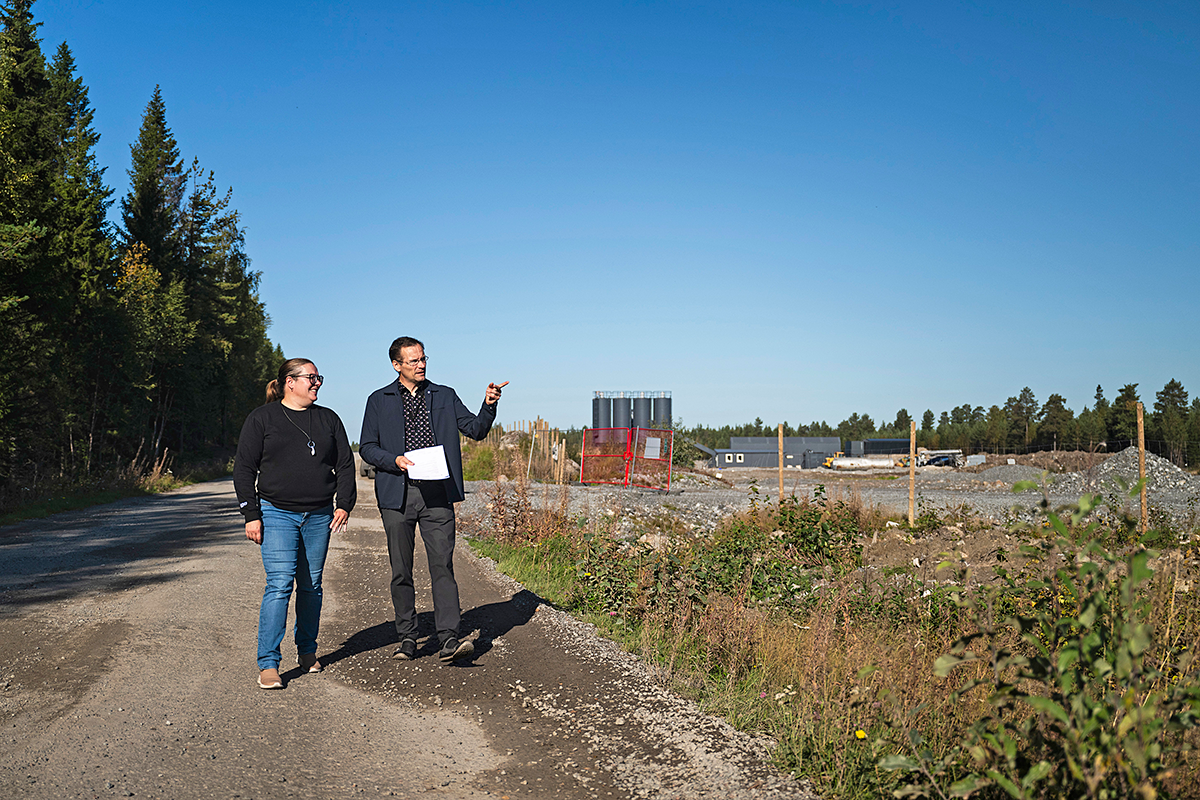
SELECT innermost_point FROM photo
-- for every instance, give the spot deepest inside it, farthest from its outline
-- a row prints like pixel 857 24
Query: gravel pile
pixel 1167 486
pixel 1010 474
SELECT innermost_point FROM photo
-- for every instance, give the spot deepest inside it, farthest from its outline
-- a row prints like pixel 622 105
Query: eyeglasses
pixel 312 379
pixel 413 362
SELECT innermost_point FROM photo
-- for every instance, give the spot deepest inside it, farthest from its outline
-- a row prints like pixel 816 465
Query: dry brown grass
pixel 516 519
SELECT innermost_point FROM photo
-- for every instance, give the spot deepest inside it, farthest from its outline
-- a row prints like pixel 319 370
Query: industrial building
pixel 877 447
pixel 799 452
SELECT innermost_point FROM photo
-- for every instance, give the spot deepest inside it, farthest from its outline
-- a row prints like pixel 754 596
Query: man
pixel 410 414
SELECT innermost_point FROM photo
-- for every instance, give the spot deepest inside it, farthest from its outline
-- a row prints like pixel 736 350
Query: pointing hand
pixel 493 393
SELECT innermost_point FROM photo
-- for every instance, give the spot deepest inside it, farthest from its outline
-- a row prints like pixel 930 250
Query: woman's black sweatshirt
pixel 275 462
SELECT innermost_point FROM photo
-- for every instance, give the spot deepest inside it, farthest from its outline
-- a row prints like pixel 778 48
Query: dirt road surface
pixel 127 669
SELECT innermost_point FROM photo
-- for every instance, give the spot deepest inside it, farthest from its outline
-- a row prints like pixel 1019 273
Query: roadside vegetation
pixel 73 493
pixel 1068 672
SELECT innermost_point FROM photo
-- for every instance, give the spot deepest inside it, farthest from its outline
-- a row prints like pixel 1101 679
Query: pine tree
pixel 1101 410
pixel 1022 413
pixel 1122 416
pixel 996 428
pixel 150 212
pixel 1170 419
pixel 1056 418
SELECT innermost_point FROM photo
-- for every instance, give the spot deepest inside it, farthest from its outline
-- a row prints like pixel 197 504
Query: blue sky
pixel 791 211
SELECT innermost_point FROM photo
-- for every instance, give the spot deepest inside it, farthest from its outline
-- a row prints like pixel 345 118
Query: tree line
pixel 122 343
pixel 1022 424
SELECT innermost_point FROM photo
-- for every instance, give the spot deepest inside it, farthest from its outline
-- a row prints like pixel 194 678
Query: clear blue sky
pixel 784 210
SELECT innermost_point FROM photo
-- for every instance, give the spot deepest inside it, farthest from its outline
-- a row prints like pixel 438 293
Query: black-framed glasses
pixel 312 379
pixel 414 361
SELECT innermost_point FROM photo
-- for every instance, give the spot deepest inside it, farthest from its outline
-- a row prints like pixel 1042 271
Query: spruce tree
pixel 150 212
pixel 26 145
pixel 30 283
pixel 27 156
pixel 1193 433
pixel 82 199
pixel 82 249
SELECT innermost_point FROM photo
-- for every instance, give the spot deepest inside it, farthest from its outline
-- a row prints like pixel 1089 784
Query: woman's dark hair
pixel 288 369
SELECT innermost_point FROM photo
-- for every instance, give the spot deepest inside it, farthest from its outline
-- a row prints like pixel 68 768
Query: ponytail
pixel 288 369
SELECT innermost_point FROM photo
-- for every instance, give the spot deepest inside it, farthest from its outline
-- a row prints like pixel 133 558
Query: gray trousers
pixel 425 508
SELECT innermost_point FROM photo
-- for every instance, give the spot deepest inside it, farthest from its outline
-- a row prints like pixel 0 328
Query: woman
pixel 292 456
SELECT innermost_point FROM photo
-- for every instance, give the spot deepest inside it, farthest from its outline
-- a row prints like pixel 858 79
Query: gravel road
pixel 128 632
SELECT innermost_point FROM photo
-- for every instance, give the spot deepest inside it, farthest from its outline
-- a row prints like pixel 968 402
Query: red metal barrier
pixel 627 457
pixel 651 465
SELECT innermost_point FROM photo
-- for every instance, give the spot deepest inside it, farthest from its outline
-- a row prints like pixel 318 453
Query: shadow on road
pixel 492 621
pixel 68 554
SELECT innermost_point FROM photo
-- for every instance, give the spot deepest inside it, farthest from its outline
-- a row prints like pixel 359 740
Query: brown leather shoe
pixel 269 679
pixel 309 662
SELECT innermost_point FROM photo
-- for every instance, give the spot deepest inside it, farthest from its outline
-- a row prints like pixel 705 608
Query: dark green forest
pixel 125 346
pixel 1021 425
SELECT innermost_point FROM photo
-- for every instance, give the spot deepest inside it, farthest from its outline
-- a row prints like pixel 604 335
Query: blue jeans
pixel 293 552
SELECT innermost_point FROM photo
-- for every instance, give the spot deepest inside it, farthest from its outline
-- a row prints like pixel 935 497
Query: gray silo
pixel 641 410
pixel 662 410
pixel 601 411
pixel 621 411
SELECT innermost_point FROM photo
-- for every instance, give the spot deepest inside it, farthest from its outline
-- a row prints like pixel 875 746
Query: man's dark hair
pixel 403 341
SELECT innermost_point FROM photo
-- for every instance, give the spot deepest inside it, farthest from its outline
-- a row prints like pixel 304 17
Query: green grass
pixel 543 568
pixel 480 463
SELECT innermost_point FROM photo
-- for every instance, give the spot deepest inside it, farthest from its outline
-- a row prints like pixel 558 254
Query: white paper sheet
pixel 653 447
pixel 429 464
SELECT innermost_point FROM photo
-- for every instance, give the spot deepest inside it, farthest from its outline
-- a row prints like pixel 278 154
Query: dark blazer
pixel 383 437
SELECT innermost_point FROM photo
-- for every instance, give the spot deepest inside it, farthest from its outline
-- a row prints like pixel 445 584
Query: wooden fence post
pixel 1142 463
pixel 912 472
pixel 781 462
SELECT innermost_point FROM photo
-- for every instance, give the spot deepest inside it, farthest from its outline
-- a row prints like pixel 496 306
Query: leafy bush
pixel 1082 701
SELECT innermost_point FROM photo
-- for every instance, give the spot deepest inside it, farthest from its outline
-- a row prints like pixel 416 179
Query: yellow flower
pixel 860 734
